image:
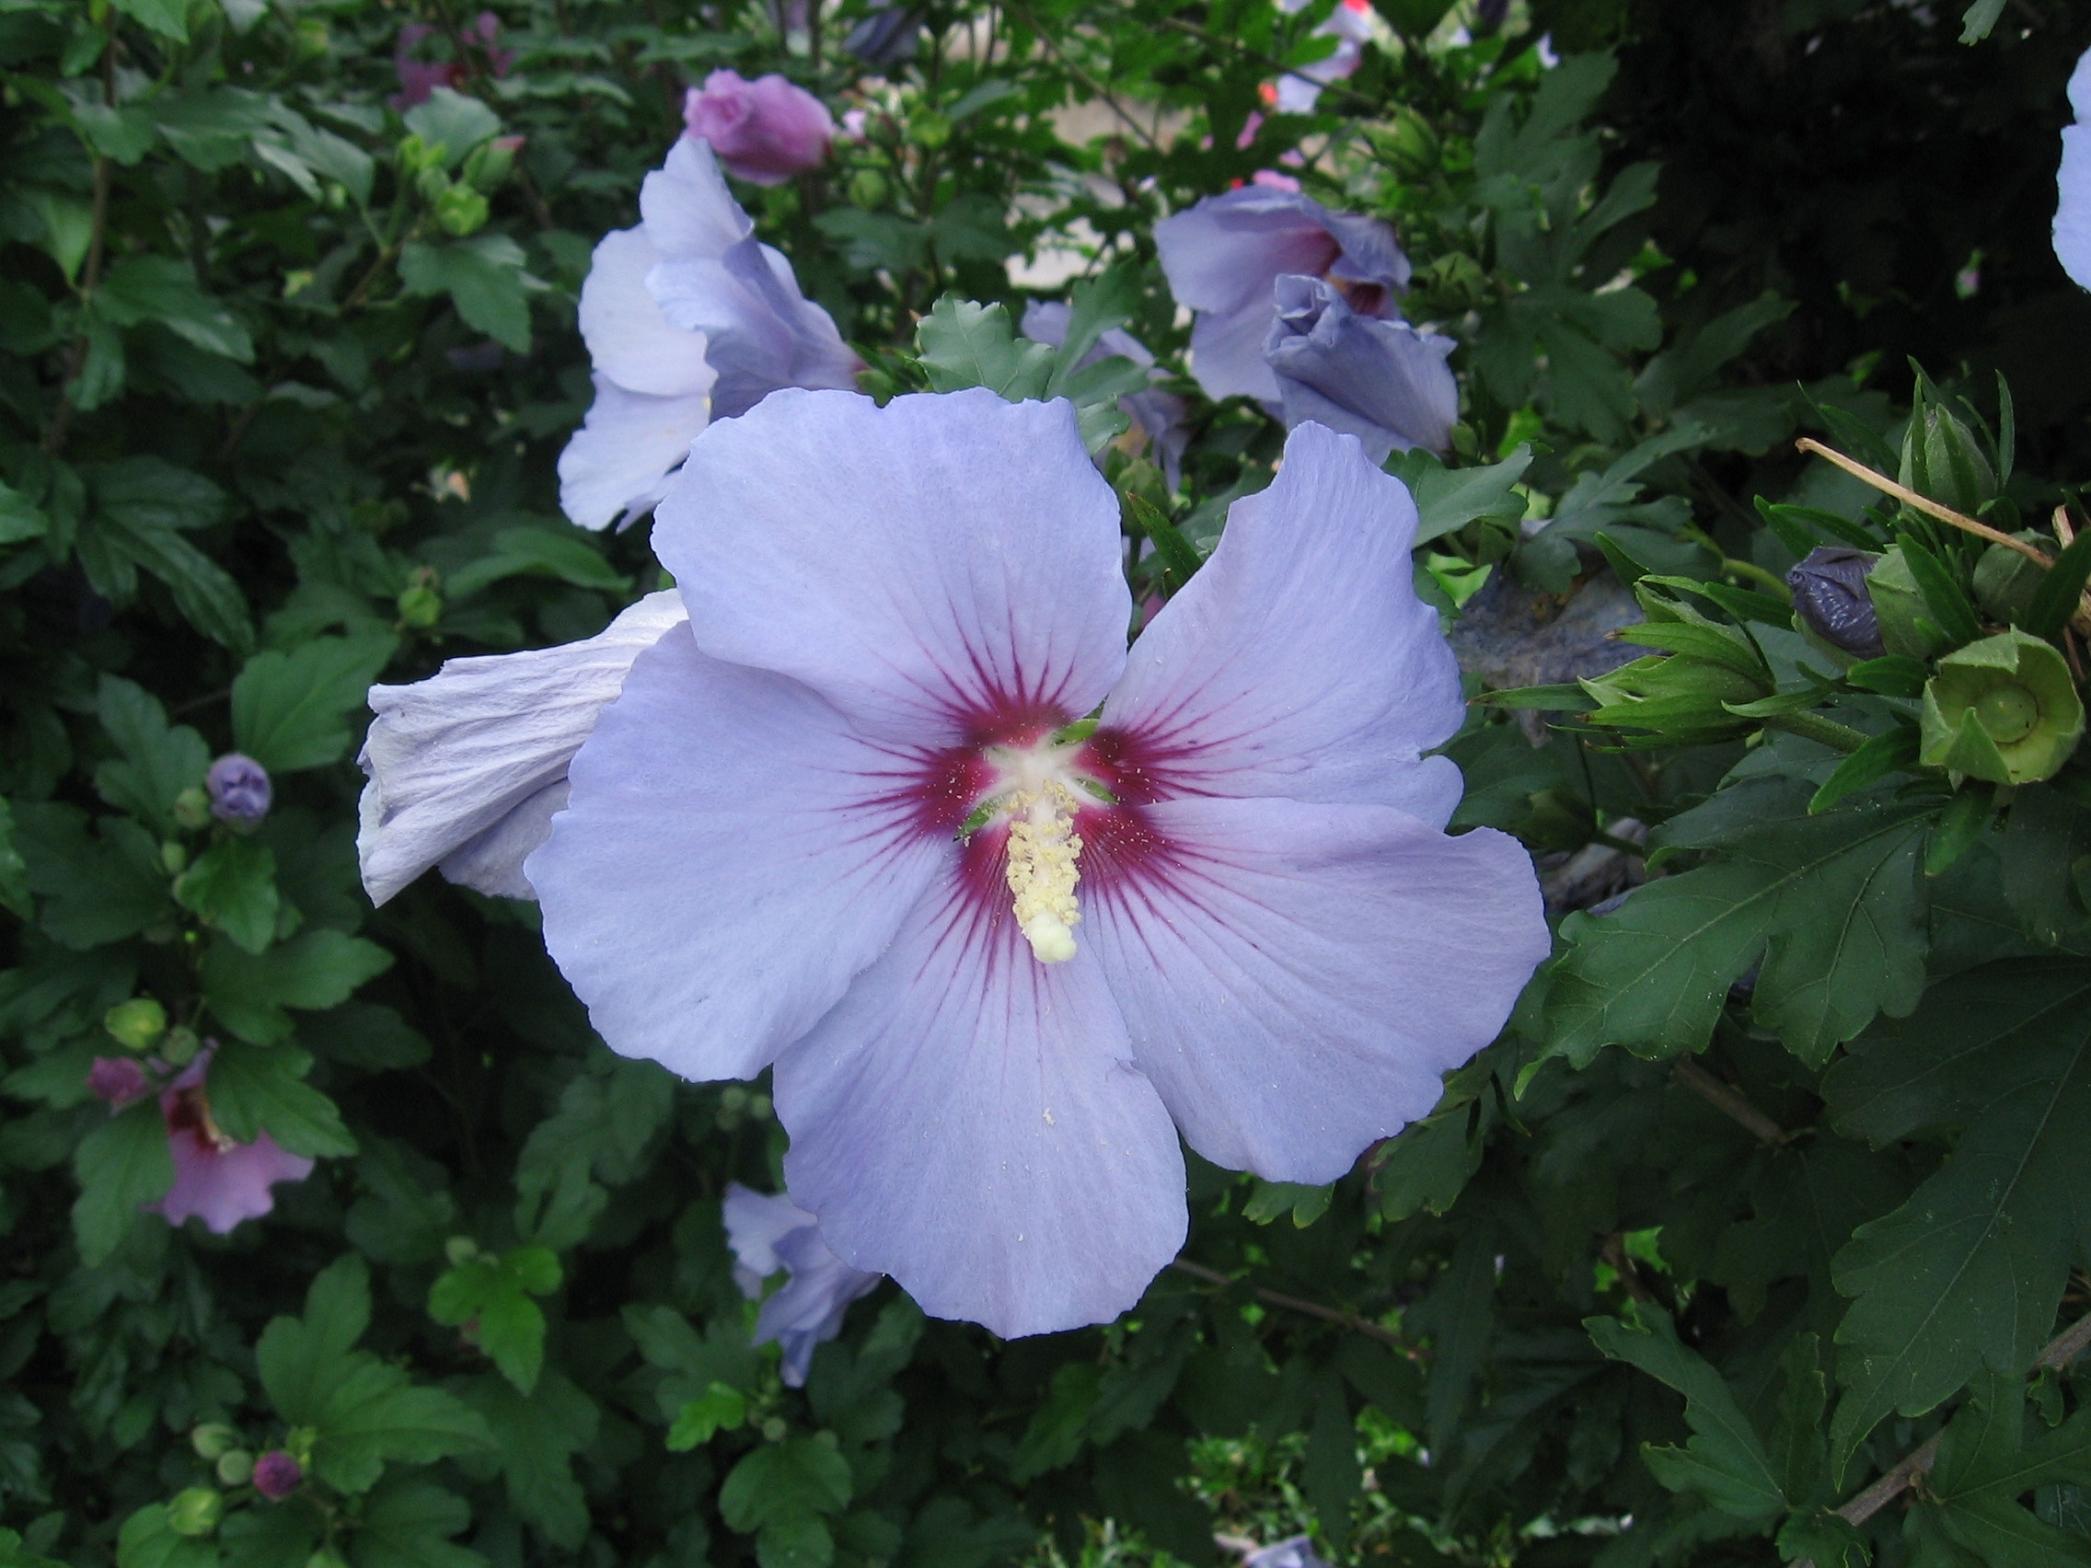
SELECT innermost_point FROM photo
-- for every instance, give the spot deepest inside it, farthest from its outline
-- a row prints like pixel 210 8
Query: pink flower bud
pixel 116 1080
pixel 276 1475
pixel 764 131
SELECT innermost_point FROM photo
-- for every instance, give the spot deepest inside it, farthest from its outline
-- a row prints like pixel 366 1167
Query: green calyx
pixel 1906 623
pixel 2003 709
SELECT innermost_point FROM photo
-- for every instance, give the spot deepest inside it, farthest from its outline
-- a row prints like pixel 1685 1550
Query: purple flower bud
pixel 764 131
pixel 116 1080
pixel 276 1475
pixel 239 788
pixel 1830 598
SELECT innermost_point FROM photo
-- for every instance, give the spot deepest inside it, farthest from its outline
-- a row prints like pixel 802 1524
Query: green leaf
pixel 156 760
pixel 1179 557
pixel 796 1541
pixel 2061 589
pixel 1330 1474
pixel 14 871
pixel 1888 752
pixel 1977 20
pixel 164 292
pixel 1725 1461
pixel 1832 902
pixel 1986 1464
pixel 408 1524
pixel 291 710
pixel 492 1296
pixel 19 517
pixel 374 1415
pixel 568 556
pixel 232 887
pixel 169 18
pixel 486 278
pixel 720 1408
pixel 302 1360
pixel 140 506
pixel 455 121
pixel 1427 1165
pixel 1447 499
pixel 1943 594
pixel 969 345
pixel 262 1089
pixel 1970 1270
pixel 1304 1204
pixel 538 1435
pixel 248 993
pixel 784 1481
pixel 123 1164
pixel 147 1540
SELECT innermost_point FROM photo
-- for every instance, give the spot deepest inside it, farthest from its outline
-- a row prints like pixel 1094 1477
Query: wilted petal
pixel 1295 978
pixel 617 465
pixel 969 1121
pixel 2073 182
pixel 1382 381
pixel 628 338
pixel 223 1187
pixel 1299 661
pixel 460 765
pixel 939 568
pixel 731 855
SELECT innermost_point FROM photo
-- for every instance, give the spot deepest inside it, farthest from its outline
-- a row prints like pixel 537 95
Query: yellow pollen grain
pixel 1040 867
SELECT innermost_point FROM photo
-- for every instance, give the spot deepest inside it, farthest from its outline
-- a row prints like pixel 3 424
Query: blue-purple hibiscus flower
pixel 1224 255
pixel 688 318
pixel 852 819
pixel 1384 382
pixel 772 1234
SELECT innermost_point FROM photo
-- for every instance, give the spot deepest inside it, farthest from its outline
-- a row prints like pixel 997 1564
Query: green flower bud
pixel 174 857
pixel 1679 697
pixel 310 40
pixel 192 808
pixel 420 606
pixel 431 182
pixel 212 1439
pixel 1942 459
pixel 461 210
pixel 460 1250
pixel 137 1024
pixel 179 1047
pixel 774 1429
pixel 2006 581
pixel 490 164
pixel 2003 709
pixel 1906 626
pixel 868 189
pixel 235 1467
pixel 195 1511
pixel 927 128
pixel 417 156
pixel 1409 143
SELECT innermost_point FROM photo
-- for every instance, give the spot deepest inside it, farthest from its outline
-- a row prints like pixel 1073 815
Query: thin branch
pixel 1088 81
pixel 2064 1348
pixel 1730 1103
pixel 1313 1309
pixel 90 270
pixel 1924 504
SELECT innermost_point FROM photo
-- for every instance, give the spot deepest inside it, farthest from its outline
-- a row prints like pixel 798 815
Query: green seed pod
pixel 179 1047
pixel 1906 626
pixel 2006 581
pixel 195 1512
pixel 2003 709
pixel 137 1024
pixel 420 606
pixel 1942 459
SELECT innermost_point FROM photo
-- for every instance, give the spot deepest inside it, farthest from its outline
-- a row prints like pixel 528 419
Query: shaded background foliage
pixel 287 372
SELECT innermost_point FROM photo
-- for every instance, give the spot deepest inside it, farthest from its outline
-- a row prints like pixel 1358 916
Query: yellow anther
pixel 1040 866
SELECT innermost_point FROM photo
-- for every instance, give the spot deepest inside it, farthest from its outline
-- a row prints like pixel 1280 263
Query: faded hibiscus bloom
pixel 771 1235
pixel 764 131
pixel 1224 257
pixel 217 1180
pixel 1384 382
pixel 688 318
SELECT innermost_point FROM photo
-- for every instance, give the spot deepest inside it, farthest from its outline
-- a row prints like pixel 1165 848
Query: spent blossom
pixel 764 131
pixel 452 62
pixel 1224 257
pixel 117 1080
pixel 217 1179
pixel 688 318
pixel 769 1235
pixel 1384 382
pixel 1006 906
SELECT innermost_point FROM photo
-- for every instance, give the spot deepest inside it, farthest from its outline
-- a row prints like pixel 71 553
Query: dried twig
pixel 1924 504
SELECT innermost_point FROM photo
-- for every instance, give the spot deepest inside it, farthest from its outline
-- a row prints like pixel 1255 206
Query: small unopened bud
pixel 460 1250
pixel 927 128
pixel 212 1439
pixel 174 857
pixel 117 1081
pixel 192 808
pixel 491 163
pixel 235 1467
pixel 868 189
pixel 137 1024
pixel 195 1512
pixel 180 1046
pixel 1830 600
pixel 277 1475
pixel 461 211
pixel 1942 459
pixel 416 155
pixel 239 788
pixel 420 606
pixel 2006 581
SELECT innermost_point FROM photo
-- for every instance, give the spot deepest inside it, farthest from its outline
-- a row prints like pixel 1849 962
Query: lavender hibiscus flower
pixel 1384 382
pixel 688 318
pixel 1224 256
pixel 217 1180
pixel 2073 182
pixel 773 1234
pixel 850 819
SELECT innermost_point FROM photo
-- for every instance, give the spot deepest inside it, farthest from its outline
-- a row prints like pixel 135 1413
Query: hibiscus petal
pixel 459 764
pixel 1299 661
pixel 222 1187
pixel 809 1309
pixel 2072 228
pixel 941 568
pixel 1226 250
pixel 616 466
pixel 762 333
pixel 968 1121
pixel 1296 977
pixel 731 855
pixel 628 338
pixel 688 208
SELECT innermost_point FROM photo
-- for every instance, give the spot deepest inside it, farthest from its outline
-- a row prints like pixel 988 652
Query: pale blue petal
pixel 761 333
pixel 755 1223
pixel 465 767
pixel 945 567
pixel 968 1120
pixel 1299 661
pixel 1381 381
pixel 629 340
pixel 1295 978
pixel 808 1311
pixel 687 208
pixel 616 466
pixel 730 856
pixel 2073 182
